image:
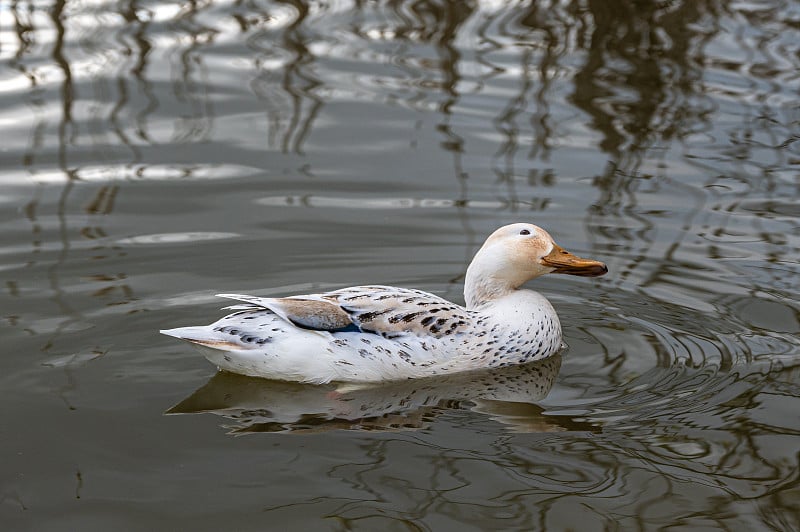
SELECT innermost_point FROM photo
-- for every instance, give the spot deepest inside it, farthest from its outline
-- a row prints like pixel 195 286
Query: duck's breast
pixel 520 327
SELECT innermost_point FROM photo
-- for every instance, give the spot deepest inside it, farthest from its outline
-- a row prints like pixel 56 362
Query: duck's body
pixel 393 333
pixel 376 333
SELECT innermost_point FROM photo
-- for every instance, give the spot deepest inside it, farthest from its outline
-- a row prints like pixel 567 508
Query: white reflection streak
pixel 175 238
pixel 381 203
pixel 140 172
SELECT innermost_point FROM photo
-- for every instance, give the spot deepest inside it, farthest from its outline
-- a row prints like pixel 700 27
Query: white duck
pixel 381 333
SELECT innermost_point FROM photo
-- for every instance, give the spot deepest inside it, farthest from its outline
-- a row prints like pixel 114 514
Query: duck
pixel 376 333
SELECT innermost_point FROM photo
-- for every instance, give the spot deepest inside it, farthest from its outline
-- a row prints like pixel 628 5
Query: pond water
pixel 157 153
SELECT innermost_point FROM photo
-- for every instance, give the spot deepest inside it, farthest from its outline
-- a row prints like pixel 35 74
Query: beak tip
pixel 596 271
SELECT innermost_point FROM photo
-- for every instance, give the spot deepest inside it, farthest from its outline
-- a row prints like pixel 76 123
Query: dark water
pixel 156 153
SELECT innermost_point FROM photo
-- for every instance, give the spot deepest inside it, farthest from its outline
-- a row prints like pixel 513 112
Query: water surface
pixel 157 153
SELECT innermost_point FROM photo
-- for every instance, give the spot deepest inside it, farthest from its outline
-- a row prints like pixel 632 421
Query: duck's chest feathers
pixel 520 327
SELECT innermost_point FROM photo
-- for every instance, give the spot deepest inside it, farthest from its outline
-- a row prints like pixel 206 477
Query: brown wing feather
pixel 314 314
pixel 306 312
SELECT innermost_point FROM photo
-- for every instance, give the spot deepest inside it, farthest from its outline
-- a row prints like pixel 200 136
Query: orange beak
pixel 562 261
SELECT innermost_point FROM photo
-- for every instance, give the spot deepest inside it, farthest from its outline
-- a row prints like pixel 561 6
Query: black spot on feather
pixel 369 316
pixel 410 317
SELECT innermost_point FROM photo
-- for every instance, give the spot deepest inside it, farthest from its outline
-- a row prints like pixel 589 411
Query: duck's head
pixel 517 253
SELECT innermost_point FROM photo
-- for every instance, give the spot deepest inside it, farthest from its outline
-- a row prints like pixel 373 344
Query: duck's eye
pixel 524 232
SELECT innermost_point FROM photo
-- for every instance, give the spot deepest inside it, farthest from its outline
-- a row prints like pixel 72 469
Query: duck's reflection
pixel 506 395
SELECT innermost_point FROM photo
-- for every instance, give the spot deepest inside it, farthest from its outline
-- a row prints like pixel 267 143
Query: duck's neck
pixel 483 284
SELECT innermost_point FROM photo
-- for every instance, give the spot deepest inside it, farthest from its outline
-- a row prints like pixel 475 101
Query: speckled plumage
pixel 377 333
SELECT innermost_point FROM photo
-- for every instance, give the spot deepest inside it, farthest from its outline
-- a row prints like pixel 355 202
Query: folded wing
pixel 384 310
